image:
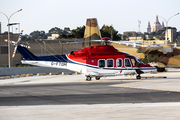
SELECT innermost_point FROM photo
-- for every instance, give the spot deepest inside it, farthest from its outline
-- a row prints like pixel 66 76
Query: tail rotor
pixel 16 44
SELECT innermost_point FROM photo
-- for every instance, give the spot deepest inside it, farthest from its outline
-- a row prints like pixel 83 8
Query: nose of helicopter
pixel 146 68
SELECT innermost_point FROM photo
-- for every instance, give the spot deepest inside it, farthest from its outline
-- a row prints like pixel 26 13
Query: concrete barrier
pixel 2 78
pixel 66 73
pixel 23 75
pixel 29 74
pixel 41 74
pixel 12 76
pixel 16 76
pixel 77 73
pixel 33 70
pixel 53 73
pixel 7 77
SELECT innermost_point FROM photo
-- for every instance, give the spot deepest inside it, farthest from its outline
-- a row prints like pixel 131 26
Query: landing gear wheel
pixel 160 69
pixel 138 77
pixel 97 78
pixel 88 78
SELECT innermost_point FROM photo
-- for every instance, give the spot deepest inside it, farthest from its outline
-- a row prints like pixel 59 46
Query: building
pixel 156 26
pixel 162 26
pixel 132 35
pixel 53 36
pixel 171 34
pixel 137 39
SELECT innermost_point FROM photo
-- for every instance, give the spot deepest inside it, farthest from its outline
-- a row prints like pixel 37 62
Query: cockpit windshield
pixel 135 61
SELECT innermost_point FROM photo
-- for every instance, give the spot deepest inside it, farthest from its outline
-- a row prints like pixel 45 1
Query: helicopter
pixel 92 62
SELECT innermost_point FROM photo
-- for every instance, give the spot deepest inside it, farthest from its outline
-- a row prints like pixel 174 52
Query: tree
pixel 128 35
pixel 124 37
pixel 25 37
pixel 55 30
pixel 109 31
pixel 143 36
pixel 78 32
pixel 119 35
pixel 135 34
pixel 62 36
pixel 38 35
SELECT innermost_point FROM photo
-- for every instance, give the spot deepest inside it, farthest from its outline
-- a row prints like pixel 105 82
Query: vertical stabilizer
pixel 92 31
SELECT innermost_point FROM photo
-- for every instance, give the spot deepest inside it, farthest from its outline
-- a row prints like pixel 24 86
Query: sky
pixel 123 15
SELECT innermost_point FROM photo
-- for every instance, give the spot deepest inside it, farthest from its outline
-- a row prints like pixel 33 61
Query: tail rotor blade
pixel 14 51
pixel 9 41
pixel 26 46
pixel 20 36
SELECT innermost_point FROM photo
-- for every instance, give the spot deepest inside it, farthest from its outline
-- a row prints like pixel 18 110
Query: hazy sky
pixel 122 14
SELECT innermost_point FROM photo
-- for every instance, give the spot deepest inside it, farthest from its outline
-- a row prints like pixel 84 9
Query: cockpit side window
pixel 135 61
pixel 119 63
pixel 127 62
pixel 110 63
pixel 101 63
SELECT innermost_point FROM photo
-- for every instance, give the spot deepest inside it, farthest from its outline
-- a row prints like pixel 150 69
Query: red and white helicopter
pixel 95 61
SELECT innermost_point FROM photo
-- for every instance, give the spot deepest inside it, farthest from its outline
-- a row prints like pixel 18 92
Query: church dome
pixel 156 25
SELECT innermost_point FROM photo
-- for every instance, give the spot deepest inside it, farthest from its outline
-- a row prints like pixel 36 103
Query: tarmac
pixel 151 107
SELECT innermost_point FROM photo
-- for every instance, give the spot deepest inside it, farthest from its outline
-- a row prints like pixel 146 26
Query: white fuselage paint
pixel 87 70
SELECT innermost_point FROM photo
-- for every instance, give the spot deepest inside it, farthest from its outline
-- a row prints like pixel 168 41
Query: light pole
pixel 167 25
pixel 8 18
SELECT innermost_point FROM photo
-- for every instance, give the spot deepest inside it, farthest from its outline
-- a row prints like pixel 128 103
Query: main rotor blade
pixel 80 42
pixel 140 43
pixel 14 51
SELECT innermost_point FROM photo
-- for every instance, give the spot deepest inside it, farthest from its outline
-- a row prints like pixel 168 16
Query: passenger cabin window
pixel 119 63
pixel 127 62
pixel 101 63
pixel 110 63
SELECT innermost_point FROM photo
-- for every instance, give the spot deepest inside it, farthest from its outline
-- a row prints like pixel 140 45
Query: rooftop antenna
pixel 139 23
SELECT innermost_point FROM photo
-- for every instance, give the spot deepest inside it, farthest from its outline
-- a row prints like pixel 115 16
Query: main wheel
pixel 88 78
pixel 138 77
pixel 97 78
pixel 160 69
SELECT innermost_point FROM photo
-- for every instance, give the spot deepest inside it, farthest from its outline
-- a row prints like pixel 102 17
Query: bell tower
pixel 149 28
